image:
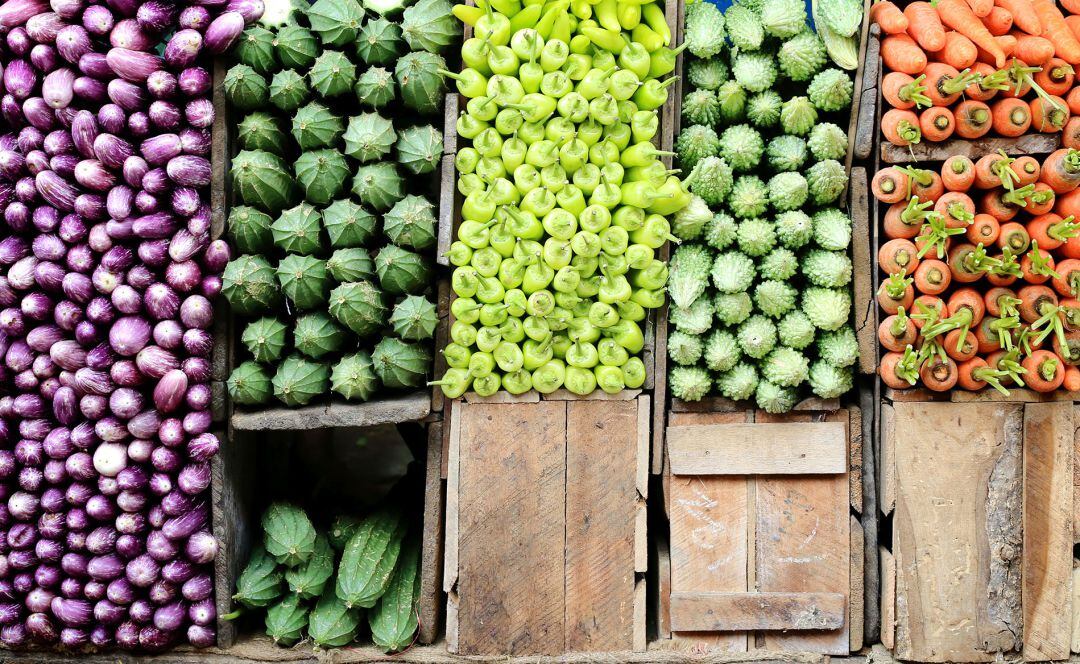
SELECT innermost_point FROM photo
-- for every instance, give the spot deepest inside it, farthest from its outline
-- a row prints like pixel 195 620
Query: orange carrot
pixel 897 331
pixel 961 345
pixel 1041 200
pixel 1072 379
pixel 975 374
pixel 895 292
pixel 972 119
pixel 925 184
pixel 988 82
pixel 1068 205
pixel 901 53
pixel 889 185
pixel 1056 77
pixel 930 303
pixel 1045 372
pixel 898 370
pixel 1001 204
pixel 981 8
pixel 999 21
pixel 891 19
pixel 1037 265
pixel 937 124
pixel 898 256
pixel 995 300
pixel 939 374
pixel 991 168
pixel 1015 237
pixel 983 230
pixel 905 219
pixel 957 15
pixel 965 264
pixel 1073 100
pixel 903 91
pixel 925 26
pixel 1027 170
pixel 959 51
pixel 1035 300
pixel 957 208
pixel 932 277
pixel 1070 133
pixel 944 83
pixel 1033 50
pixel 1070 249
pixel 1051 231
pixel 1068 283
pixel 1066 45
pixel 1061 170
pixel 1071 6
pixel 902 127
pixel 1048 115
pixel 1010 117
pixel 1024 16
pixel 958 173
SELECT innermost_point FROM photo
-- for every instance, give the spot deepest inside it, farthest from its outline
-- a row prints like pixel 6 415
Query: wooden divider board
pixel 738 539
pixel 545 527
pixel 956 531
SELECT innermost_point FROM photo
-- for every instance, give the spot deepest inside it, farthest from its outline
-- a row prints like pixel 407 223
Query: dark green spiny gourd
pixel 369 558
pixel 288 534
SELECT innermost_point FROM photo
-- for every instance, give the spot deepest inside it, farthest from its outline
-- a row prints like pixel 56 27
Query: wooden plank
pixel 1076 478
pixel 641 635
pixel 751 449
pixel 232 481
pixel 392 410
pixel 856 594
pixel 453 476
pixel 865 305
pixel 724 405
pixel 803 545
pixel 442 333
pixel 957 530
pixel 1033 144
pixel 601 516
pixel 644 411
pixel 1048 530
pixel 511 518
pixel 563 394
pixel 708 524
pixel 502 397
pixel 888 598
pixel 662 596
pixel 429 604
pixel 447 191
pixel 867 128
pixel 728 611
pixel 855 458
pixel 1075 642
pixel 886 460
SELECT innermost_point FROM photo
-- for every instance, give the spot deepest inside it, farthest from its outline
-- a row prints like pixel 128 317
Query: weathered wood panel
pixel 430 604
pixel 601 511
pixel 752 449
pixel 1033 144
pixel 888 598
pixel 708 547
pixel 856 595
pixel 864 303
pixel 728 611
pixel 1048 529
pixel 391 410
pixel 511 519
pixel 956 531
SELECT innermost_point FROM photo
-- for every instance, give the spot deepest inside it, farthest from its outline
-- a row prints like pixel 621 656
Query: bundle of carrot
pixel 971 67
pixel 983 265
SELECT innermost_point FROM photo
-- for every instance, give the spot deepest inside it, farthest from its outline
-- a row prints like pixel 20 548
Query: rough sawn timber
pixel 957 531
pixel 406 408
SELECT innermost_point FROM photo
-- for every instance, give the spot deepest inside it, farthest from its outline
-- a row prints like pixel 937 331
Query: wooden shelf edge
pixel 407 408
pixel 1032 144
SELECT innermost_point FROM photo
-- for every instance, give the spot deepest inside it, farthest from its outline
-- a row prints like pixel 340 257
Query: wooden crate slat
pixel 957 596
pixel 1031 144
pixel 1048 530
pixel 888 598
pixel 856 593
pixel 429 607
pixel 1076 485
pixel 864 303
pixel 407 408
pixel 729 611
pixel 601 509
pixel 758 449
pixel 506 599
pixel 708 541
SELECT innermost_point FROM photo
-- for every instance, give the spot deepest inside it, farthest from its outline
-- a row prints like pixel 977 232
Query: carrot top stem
pixel 1008 266
pixel 915 212
pixel 1017 197
pixel 977 260
pixel 919 176
pixel 1064 229
pixel 896 285
pixel 950 85
pixel 999 80
pixel 913 92
pixel 961 320
pixel 928 315
pixel 1021 74
pixel 1052 320
pixel 1040 262
pixel 1010 364
pixel 1060 72
pixel 1042 196
pixel 1071 161
pixel 1003 169
pixel 1048 367
pixel 1004 327
pixel 958 212
pixel 991 377
pixel 935 233
pixel 907 368
pixel 1007 306
pixel 899 326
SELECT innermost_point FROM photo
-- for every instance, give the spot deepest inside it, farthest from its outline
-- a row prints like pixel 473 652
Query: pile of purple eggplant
pixel 107 277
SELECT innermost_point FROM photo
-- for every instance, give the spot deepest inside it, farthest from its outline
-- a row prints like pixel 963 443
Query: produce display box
pixel 233 485
pixel 450 201
pixel 782 496
pixel 409 406
pixel 856 204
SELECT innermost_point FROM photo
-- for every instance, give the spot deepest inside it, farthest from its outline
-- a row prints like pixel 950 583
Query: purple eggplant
pixel 57 88
pixel 194 81
pixel 128 34
pixel 223 32
pixel 132 65
pixel 162 84
pixel 73 42
pixel 14 13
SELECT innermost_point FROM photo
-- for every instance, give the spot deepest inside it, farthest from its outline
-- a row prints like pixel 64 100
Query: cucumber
pixel 393 621
pixel 369 559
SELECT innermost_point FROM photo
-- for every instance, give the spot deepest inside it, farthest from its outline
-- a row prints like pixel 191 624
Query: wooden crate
pixel 985 517
pixel 764 550
pixel 546 527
